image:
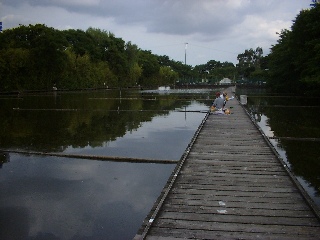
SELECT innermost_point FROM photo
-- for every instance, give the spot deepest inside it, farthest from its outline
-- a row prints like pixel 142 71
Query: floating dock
pixel 231 184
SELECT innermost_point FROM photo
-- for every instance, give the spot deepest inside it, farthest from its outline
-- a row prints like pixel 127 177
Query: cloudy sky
pixel 214 29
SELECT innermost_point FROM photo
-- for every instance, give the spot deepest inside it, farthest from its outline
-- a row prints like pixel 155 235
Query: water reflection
pixel 164 137
pixel 50 123
pixel 67 198
pixel 76 199
pixel 293 128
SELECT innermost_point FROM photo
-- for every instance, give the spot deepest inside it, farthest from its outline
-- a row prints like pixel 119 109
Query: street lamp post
pixel 185 58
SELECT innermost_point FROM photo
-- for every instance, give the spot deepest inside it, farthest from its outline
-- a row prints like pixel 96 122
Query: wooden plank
pixel 233 231
pixel 232 193
pixel 236 208
pixel 238 227
pixel 234 167
pixel 240 206
pixel 244 188
pixel 235 174
pixel 238 199
pixel 208 218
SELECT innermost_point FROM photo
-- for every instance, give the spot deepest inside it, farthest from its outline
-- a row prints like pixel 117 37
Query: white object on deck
pixel 243 99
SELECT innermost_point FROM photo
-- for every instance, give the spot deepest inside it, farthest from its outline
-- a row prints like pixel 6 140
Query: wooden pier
pixel 230 184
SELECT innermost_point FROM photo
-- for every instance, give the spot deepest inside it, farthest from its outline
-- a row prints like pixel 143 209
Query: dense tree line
pixel 294 62
pixel 37 57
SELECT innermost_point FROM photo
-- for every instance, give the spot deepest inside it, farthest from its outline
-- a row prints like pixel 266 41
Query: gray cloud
pixel 222 23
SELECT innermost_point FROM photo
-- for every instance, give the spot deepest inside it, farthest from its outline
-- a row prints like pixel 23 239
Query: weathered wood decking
pixel 231 185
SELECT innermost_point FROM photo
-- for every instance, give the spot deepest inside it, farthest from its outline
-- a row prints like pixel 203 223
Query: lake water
pixel 50 197
pixel 47 197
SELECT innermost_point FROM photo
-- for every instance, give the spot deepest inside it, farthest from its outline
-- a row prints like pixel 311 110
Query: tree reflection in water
pixel 67 198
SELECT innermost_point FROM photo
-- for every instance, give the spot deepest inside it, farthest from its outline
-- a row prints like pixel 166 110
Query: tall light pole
pixel 185 54
pixel 185 58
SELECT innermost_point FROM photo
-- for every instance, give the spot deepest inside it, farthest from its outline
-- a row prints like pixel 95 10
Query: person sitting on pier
pixel 217 105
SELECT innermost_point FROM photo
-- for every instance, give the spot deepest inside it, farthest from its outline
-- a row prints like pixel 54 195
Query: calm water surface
pixel 69 198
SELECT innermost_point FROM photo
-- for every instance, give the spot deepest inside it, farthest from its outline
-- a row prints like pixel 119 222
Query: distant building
pixel 225 81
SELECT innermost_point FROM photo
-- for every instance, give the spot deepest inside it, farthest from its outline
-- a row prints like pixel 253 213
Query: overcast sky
pixel 214 29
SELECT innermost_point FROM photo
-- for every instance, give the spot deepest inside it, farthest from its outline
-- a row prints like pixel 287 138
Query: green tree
pixel 167 76
pixel 134 71
pixel 134 74
pixel 150 68
pixel 47 55
pixel 294 60
pixel 306 39
pixel 81 43
pixel 14 65
pixel 113 51
pixel 281 66
pixel 38 49
pixel 249 61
